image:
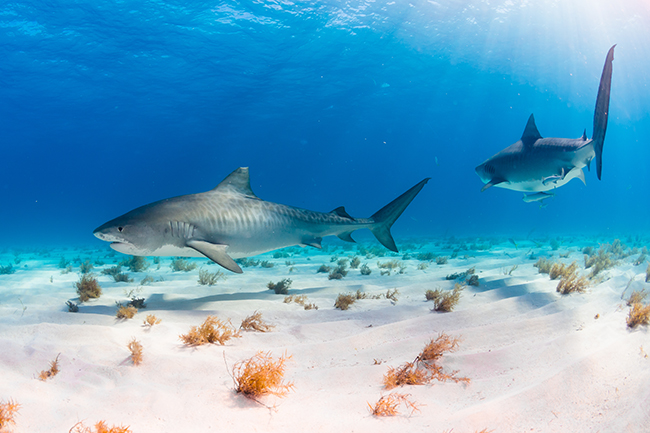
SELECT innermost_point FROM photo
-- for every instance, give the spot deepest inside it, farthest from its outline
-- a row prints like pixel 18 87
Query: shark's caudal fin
pixel 386 216
pixel 602 110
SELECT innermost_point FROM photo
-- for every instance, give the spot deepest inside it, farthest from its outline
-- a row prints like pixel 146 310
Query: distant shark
pixel 535 163
pixel 231 222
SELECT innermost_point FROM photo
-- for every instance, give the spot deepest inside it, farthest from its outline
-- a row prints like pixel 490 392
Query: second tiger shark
pixel 230 222
pixel 535 163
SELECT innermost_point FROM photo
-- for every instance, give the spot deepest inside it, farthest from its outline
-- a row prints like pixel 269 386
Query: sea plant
pixel 207 278
pixel 544 265
pixel 323 269
pixel 445 301
pixel 600 261
pixel 88 288
pixel 125 311
pixel 425 368
pixel 136 351
pixel 300 300
pixel 572 282
pixel 560 270
pixel 136 264
pixel 212 330
pixel 365 269
pixel 261 375
pixel 100 427
pixel 52 371
pixel 8 411
pixel 178 264
pixel 6 270
pixel 388 405
pixel 281 287
pixel 338 272
pixel 151 320
pixel 254 322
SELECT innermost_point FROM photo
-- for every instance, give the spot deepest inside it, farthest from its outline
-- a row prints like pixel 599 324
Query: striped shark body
pixel 535 163
pixel 230 222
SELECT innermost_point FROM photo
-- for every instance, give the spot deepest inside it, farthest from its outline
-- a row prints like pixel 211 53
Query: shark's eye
pixel 119 229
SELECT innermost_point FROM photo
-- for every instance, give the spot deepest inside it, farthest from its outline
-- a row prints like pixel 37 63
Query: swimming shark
pixel 535 163
pixel 230 222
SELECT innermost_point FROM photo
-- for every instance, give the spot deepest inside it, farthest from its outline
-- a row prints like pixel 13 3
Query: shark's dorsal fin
pixel 584 135
pixel 531 134
pixel 340 211
pixel 237 181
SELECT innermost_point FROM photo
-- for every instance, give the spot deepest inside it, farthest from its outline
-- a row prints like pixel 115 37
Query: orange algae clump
pixel 255 322
pixel 53 371
pixel 126 311
pixel 425 367
pixel 88 287
pixel 261 375
pixel 212 331
pixel 639 314
pixel 136 351
pixel 100 427
pixel 388 405
pixel 7 412
pixel 151 320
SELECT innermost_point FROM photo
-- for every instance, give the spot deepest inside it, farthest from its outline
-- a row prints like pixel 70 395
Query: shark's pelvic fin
pixel 581 175
pixel 216 253
pixel 531 134
pixel 602 110
pixel 238 181
pixel 584 135
pixel 386 216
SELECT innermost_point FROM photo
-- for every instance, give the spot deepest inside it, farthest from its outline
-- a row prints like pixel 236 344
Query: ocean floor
pixel 537 360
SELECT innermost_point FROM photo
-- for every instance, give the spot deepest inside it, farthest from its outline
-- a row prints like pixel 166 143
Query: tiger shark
pixel 535 163
pixel 230 222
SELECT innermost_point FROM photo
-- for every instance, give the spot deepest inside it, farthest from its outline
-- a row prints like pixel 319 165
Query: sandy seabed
pixel 538 361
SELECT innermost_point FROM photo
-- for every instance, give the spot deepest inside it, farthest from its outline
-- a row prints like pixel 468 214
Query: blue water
pixel 108 105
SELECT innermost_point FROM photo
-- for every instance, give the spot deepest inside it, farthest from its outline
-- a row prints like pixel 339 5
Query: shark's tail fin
pixel 602 110
pixel 386 216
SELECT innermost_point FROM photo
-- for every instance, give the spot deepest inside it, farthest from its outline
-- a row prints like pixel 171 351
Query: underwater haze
pixel 109 105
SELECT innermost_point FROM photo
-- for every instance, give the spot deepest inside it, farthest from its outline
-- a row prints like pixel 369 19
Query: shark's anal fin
pixel 531 134
pixel 216 253
pixel 492 183
pixel 346 237
pixel 312 242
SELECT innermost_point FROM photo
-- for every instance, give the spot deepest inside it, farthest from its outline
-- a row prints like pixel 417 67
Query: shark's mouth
pixel 122 247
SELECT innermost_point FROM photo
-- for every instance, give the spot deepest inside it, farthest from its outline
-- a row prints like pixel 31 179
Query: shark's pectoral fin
pixel 216 253
pixel 346 237
pixel 312 242
pixel 493 182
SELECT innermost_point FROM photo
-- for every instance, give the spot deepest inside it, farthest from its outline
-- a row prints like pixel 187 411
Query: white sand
pixel 538 361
